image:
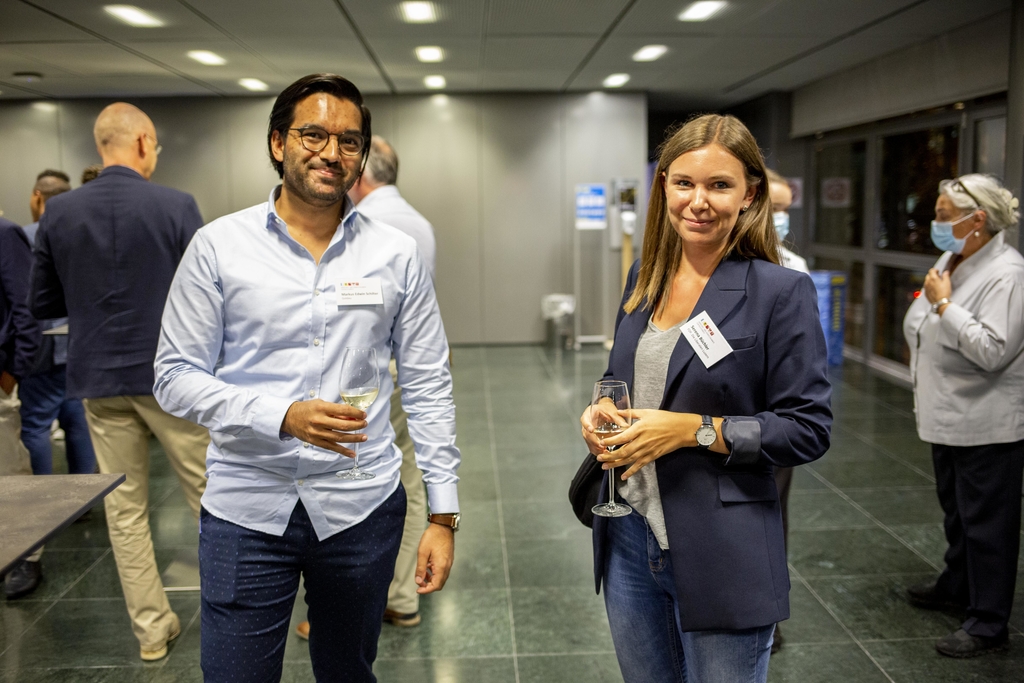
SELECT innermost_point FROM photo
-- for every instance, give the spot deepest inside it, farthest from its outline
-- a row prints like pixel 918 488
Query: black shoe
pixel 23 578
pixel 777 640
pixel 961 644
pixel 927 596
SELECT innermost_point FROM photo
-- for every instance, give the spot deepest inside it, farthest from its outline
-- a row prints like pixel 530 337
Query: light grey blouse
pixel 650 373
pixel 967 365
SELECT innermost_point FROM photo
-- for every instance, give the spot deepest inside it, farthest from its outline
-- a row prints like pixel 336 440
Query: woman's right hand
pixel 606 412
pixel 592 439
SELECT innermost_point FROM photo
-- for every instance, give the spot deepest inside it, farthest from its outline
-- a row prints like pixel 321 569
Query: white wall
pixel 494 173
pixel 966 63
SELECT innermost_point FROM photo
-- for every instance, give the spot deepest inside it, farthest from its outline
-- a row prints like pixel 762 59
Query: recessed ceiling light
pixel 418 12
pixel 616 81
pixel 649 53
pixel 254 84
pixel 206 57
pixel 429 53
pixel 702 11
pixel 48 107
pixel 28 76
pixel 435 82
pixel 133 16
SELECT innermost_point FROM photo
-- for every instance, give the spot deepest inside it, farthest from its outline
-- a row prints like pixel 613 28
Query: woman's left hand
pixel 653 434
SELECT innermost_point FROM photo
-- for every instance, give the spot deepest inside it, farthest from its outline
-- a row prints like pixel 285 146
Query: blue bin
pixel 831 287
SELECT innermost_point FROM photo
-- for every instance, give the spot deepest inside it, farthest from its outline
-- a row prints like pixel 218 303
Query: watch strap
pixel 450 520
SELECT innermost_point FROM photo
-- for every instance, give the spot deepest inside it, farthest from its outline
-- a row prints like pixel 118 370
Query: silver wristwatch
pixel 706 433
pixel 939 304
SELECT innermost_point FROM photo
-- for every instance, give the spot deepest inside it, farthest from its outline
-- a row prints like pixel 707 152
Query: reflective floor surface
pixel 520 605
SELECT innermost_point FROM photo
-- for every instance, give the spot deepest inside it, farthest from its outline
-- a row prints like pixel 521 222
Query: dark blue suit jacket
pixel 105 256
pixel 20 334
pixel 722 513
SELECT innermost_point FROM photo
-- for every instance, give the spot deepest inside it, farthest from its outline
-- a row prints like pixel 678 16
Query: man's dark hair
pixel 51 183
pixel 91 173
pixel 50 173
pixel 283 114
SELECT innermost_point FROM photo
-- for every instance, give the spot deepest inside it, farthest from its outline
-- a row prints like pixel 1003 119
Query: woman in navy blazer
pixel 704 608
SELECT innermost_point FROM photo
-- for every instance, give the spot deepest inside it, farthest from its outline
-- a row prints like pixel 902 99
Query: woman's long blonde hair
pixel 753 236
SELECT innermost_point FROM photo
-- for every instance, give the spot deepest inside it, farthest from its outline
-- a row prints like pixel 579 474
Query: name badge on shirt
pixel 364 292
pixel 706 339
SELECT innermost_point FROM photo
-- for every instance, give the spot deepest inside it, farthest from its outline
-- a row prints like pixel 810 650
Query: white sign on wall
pixel 796 186
pixel 836 193
pixel 591 207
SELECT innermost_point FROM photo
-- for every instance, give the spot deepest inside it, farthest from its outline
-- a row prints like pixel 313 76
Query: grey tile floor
pixel 520 605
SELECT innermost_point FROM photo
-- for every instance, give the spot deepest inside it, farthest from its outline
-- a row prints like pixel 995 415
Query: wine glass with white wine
pixel 610 413
pixel 360 382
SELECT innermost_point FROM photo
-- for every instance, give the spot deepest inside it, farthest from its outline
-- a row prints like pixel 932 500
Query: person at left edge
pixel 253 334
pixel 19 341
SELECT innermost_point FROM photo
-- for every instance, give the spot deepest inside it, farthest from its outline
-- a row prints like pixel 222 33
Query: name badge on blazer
pixel 363 292
pixel 706 339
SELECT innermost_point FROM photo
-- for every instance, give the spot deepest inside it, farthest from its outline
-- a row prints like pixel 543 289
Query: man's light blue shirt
pixel 252 324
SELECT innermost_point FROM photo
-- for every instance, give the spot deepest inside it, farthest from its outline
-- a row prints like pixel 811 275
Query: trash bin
pixel 557 310
pixel 831 287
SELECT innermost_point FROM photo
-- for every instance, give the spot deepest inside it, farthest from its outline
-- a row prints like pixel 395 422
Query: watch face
pixel 706 435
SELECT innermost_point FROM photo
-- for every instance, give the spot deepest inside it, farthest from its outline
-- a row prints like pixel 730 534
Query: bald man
pixel 105 256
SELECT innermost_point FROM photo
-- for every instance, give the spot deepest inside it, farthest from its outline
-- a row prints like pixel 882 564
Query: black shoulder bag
pixel 585 488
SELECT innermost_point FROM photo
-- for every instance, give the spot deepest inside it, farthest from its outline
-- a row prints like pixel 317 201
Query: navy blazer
pixel 20 334
pixel 105 256
pixel 722 513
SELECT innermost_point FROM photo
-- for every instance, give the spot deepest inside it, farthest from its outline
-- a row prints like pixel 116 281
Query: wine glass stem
pixel 611 486
pixel 355 457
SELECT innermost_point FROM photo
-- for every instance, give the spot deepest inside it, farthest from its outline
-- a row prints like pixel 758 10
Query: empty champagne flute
pixel 360 382
pixel 610 413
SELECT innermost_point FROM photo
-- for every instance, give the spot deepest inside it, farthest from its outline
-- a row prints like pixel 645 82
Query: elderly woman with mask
pixel 966 336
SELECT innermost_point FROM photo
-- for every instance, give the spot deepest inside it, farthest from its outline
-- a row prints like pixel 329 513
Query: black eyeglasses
pixel 968 192
pixel 315 139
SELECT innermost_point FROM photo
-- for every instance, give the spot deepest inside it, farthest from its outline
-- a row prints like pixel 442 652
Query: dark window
pixel 840 194
pixel 990 146
pixel 897 289
pixel 912 166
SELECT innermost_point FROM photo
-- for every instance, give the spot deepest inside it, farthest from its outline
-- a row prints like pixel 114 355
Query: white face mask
pixel 943 238
pixel 781 220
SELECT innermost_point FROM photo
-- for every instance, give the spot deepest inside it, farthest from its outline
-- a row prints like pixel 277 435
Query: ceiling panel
pixel 344 58
pixel 382 21
pixel 153 85
pixel 259 22
pixel 491 45
pixel 23 23
pixel 566 17
pixel 398 55
pixel 88 59
pixel 546 53
pixel 179 23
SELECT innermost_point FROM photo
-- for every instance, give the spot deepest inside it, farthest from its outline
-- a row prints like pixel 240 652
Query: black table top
pixel 34 509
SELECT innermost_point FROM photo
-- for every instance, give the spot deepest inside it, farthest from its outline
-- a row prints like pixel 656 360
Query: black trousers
pixel 979 489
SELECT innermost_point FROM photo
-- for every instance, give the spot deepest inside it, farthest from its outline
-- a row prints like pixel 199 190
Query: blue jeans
pixel 640 596
pixel 43 401
pixel 250 580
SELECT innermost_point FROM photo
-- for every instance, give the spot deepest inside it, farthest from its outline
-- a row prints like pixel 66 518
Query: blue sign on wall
pixel 591 207
pixel 831 286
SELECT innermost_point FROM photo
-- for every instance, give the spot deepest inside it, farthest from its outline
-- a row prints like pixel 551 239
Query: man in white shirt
pixel 377 197
pixel 264 303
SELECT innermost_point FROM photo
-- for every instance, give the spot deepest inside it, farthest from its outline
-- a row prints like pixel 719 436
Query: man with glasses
pixel 262 308
pixel 104 257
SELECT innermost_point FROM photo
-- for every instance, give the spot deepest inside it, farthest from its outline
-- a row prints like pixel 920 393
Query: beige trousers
pixel 120 427
pixel 402 595
pixel 14 458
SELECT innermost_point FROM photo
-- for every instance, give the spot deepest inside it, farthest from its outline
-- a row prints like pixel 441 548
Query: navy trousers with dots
pixel 250 580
